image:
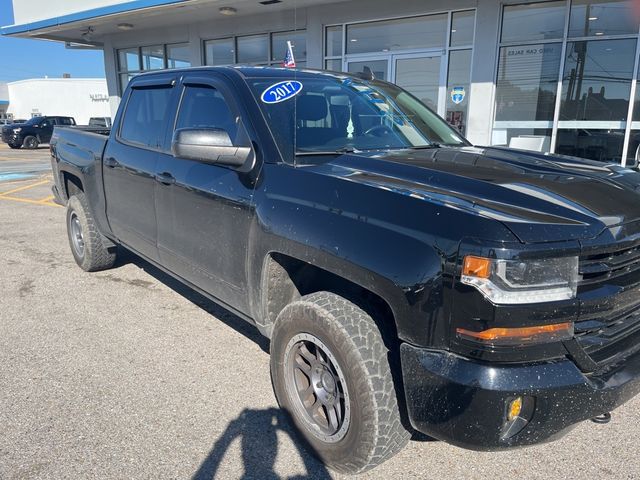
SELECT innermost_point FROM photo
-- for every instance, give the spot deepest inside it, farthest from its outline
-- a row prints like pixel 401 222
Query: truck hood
pixel 540 198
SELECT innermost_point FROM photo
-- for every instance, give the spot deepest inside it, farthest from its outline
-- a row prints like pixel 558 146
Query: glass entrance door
pixel 379 66
pixel 422 74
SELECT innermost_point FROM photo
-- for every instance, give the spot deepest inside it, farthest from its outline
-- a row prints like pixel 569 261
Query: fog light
pixel 519 411
pixel 515 407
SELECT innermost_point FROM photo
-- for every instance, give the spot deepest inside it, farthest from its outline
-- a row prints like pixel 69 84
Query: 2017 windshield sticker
pixel 281 91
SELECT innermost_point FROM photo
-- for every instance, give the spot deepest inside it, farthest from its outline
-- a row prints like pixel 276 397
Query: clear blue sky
pixel 22 58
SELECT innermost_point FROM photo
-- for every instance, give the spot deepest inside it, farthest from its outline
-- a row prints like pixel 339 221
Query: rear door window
pixel 144 118
pixel 205 107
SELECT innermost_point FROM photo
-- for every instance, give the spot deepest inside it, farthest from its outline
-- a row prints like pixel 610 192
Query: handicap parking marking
pixel 12 176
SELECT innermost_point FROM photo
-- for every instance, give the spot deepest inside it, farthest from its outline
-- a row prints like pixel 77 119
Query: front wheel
pixel 330 371
pixel 30 142
pixel 90 249
pixel 14 146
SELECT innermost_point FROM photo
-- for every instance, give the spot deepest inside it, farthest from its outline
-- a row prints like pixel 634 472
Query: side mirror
pixel 636 158
pixel 208 145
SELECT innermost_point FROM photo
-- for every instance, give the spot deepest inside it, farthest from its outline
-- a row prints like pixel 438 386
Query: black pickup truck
pixel 33 132
pixel 406 279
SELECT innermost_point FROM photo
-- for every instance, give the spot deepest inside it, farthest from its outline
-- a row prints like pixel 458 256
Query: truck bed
pixel 75 149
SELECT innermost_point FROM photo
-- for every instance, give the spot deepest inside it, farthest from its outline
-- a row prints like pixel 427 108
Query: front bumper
pixel 464 402
pixel 12 138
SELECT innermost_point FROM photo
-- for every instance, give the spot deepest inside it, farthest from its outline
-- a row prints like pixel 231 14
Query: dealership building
pixel 554 76
pixel 80 98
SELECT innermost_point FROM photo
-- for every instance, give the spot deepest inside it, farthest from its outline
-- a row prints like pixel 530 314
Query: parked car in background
pixel 33 132
pixel 10 121
pixel 406 279
pixel 104 122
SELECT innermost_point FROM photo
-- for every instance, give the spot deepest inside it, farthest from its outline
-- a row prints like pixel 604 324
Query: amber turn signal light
pixel 519 335
pixel 477 267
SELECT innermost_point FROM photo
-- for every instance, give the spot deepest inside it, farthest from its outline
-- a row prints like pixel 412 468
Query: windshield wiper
pixel 425 147
pixel 340 151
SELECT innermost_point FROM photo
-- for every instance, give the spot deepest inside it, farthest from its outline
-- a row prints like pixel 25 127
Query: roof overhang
pixel 85 15
pixel 143 15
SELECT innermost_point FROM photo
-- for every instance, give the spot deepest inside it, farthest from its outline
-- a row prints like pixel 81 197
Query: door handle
pixel 165 178
pixel 111 162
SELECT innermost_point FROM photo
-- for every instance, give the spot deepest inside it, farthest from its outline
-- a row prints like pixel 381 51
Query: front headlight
pixel 522 281
pixel 17 130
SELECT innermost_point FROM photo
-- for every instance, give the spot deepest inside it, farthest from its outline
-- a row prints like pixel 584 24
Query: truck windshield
pixel 34 121
pixel 334 114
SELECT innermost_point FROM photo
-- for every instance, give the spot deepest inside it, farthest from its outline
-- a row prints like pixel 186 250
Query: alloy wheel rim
pixel 77 238
pixel 317 387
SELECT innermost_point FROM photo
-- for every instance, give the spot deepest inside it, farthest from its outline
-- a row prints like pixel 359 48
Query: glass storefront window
pixel 633 154
pixel 178 55
pixel 535 139
pixel 462 28
pixel 534 21
pixel 602 145
pixel 333 41
pixel 219 52
pixel 253 49
pixel 390 35
pixel 458 88
pixel 129 60
pixel 334 64
pixel 597 80
pixel 298 40
pixel 527 82
pixel 124 80
pixel 153 57
pixel 601 17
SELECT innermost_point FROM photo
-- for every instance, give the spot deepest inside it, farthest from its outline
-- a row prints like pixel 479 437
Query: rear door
pixel 46 129
pixel 205 211
pixel 130 164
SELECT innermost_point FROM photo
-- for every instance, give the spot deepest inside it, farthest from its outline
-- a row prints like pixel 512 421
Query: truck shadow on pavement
pixel 257 431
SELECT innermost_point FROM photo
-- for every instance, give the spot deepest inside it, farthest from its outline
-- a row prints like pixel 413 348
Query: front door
pixel 204 210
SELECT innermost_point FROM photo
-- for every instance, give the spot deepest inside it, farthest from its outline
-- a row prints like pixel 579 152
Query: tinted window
pixel 597 80
pixel 65 121
pixel 204 107
pixel 145 115
pixel 602 17
pixel 535 21
pixel 405 33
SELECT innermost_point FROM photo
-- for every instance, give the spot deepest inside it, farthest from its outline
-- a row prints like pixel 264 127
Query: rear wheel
pixel 91 250
pixel 14 146
pixel 30 142
pixel 330 371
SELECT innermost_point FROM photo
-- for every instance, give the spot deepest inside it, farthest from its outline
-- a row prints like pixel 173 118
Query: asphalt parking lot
pixel 127 374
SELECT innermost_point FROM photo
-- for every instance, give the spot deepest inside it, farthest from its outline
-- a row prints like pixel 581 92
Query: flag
pixel 289 61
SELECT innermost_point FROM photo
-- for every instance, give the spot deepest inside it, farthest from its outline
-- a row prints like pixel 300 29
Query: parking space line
pixel 28 200
pixel 24 187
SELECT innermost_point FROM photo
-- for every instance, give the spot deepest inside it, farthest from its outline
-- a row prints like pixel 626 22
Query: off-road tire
pixel 30 142
pixel 98 253
pixel 375 431
pixel 14 146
